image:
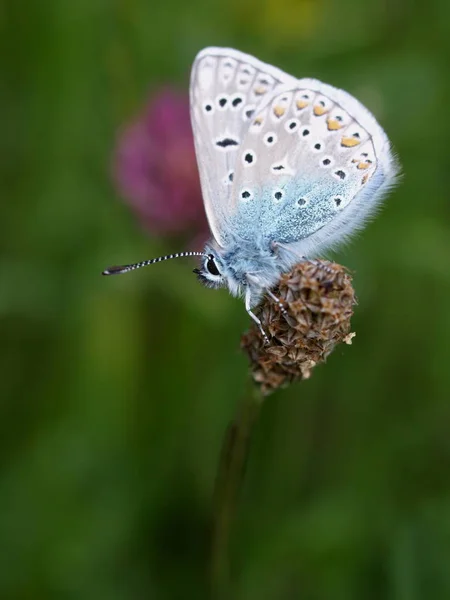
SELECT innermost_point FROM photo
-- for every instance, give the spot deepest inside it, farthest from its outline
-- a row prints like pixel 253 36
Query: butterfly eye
pixel 211 266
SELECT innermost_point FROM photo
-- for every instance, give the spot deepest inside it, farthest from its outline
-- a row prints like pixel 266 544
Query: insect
pixel 288 168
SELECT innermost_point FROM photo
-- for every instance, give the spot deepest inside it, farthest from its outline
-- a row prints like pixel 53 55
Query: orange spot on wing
pixel 301 104
pixel 278 111
pixel 333 125
pixel 365 178
pixel 320 110
pixel 363 165
pixel 258 121
pixel 349 142
pixel 260 90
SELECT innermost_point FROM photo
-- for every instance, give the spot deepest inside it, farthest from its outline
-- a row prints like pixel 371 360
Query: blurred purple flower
pixel 156 170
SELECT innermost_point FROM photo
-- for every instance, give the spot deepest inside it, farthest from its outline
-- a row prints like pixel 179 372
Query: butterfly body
pixel 246 267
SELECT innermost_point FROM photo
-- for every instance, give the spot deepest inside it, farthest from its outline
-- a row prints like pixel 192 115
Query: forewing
pixel 226 89
pixel 313 165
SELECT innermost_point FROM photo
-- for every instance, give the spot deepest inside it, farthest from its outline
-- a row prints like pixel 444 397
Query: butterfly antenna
pixel 145 263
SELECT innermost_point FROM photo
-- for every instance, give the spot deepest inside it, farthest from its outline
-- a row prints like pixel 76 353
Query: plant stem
pixel 230 474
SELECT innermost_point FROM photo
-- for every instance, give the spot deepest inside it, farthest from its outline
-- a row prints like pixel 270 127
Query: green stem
pixel 230 474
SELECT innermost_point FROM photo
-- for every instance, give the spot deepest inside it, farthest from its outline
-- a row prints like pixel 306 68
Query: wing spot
pixel 227 142
pixel 363 162
pixel 326 162
pixel 349 142
pixel 305 132
pixel 337 201
pixel 340 174
pixel 301 202
pixel 320 109
pixel 278 111
pixel 246 195
pixel 334 124
pixel 277 168
pixel 231 176
pixel 249 113
pixel 208 107
pixel 249 158
pixel 260 90
pixel 318 147
pixel 278 195
pixel 236 101
pixel 270 139
pixel 292 125
pixel 222 102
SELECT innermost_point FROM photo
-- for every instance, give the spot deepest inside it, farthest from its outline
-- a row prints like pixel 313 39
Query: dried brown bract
pixel 318 298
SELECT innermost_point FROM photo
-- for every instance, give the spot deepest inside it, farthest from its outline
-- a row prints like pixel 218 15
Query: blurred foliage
pixel 116 392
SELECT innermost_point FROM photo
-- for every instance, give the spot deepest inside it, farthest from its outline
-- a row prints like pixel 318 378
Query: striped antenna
pixel 145 263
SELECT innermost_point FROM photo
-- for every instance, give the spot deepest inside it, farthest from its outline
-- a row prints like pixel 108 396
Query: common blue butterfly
pixel 288 168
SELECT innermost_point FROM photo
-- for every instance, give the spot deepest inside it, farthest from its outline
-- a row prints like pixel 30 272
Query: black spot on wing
pixel 226 142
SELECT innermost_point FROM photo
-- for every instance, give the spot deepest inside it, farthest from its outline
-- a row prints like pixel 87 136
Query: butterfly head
pixel 218 269
pixel 245 268
pixel 211 271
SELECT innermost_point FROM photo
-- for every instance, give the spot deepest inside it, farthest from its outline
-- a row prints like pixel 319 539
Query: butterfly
pixel 288 168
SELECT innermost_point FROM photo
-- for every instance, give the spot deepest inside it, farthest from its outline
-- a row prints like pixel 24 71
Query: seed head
pixel 318 298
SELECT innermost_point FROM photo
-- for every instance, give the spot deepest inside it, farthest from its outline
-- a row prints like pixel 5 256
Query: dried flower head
pixel 155 167
pixel 319 298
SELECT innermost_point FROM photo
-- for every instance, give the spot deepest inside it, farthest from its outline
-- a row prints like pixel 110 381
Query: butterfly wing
pixel 313 165
pixel 226 89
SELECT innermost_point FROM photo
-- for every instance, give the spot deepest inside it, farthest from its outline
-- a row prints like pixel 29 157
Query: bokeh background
pixel 115 393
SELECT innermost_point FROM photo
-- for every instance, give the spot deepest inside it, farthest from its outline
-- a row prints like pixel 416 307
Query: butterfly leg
pixel 258 322
pixel 278 301
pixel 322 266
pixel 255 318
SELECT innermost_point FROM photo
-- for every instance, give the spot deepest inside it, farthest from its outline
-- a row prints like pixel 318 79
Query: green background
pixel 115 393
